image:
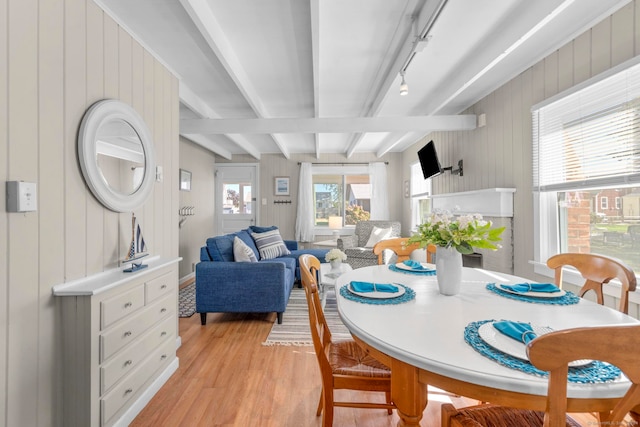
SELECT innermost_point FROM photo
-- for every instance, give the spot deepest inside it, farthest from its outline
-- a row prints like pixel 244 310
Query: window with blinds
pixel 586 168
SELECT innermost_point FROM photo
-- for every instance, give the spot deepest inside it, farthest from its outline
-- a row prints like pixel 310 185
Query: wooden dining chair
pixel 401 247
pixel 597 270
pixel 553 352
pixel 343 364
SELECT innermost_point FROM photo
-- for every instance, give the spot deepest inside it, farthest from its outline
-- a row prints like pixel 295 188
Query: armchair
pixel 358 255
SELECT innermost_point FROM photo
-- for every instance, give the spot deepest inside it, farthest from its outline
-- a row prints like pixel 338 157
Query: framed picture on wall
pixel 185 180
pixel 281 186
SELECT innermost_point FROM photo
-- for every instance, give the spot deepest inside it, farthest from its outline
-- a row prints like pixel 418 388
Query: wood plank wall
pixel 56 59
pixel 500 154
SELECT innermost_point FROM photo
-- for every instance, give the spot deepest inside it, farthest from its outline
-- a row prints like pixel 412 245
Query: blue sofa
pixel 226 286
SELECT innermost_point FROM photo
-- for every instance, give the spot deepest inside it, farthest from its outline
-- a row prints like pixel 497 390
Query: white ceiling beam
pixel 206 22
pixel 189 98
pixel 329 125
pixel 210 145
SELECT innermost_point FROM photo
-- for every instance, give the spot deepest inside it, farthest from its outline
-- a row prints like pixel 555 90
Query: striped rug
pixel 295 330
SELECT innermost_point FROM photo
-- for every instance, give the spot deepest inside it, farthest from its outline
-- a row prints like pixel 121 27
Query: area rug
pixel 295 330
pixel 187 300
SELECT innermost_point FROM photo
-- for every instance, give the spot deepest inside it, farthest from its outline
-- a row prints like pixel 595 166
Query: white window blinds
pixel 590 138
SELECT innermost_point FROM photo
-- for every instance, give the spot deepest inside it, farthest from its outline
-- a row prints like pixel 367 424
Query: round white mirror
pixel 116 155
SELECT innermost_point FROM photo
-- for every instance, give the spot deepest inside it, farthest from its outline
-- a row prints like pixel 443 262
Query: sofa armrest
pixel 292 245
pixel 347 242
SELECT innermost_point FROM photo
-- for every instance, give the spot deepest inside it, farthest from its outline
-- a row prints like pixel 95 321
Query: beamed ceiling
pixel 323 76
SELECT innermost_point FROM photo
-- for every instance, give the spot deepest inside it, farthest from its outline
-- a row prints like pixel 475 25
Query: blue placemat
pixel 594 372
pixel 392 267
pixel 567 299
pixel 408 295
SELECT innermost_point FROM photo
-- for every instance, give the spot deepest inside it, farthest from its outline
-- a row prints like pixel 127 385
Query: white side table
pixel 328 277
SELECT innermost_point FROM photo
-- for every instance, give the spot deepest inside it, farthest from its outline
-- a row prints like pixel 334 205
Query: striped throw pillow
pixel 270 245
pixel 242 252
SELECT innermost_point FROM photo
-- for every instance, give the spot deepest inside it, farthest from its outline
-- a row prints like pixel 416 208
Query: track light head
pixel 404 87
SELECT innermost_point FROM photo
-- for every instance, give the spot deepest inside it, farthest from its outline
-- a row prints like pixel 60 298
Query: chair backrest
pixel 597 270
pixel 364 228
pixel 612 344
pixel 401 248
pixel 320 333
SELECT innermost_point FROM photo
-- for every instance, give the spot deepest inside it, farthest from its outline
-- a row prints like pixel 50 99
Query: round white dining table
pixel 422 341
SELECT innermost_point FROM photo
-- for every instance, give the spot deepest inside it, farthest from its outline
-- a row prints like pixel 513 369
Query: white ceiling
pixel 322 76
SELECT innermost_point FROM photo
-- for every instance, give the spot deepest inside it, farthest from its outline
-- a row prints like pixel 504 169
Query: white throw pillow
pixel 378 234
pixel 242 252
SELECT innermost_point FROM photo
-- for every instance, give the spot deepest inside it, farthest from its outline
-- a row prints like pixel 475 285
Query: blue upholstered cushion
pixel 258 229
pixel 221 247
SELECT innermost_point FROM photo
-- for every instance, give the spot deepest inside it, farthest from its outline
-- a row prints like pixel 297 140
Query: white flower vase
pixel 448 270
pixel 336 265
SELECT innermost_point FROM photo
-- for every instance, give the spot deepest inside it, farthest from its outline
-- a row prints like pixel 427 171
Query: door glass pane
pixel 236 198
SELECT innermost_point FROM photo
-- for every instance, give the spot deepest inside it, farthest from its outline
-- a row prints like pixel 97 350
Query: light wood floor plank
pixel 227 378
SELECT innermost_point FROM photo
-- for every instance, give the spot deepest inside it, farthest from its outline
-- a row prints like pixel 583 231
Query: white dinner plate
pixel 426 266
pixel 558 294
pixel 505 344
pixel 379 295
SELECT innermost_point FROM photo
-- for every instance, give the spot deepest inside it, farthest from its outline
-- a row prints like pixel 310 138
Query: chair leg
pixel 319 411
pixel 279 315
pixel 203 318
pixel 327 416
pixel 387 394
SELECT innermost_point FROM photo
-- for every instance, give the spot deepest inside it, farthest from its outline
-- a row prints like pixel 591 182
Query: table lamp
pixel 335 224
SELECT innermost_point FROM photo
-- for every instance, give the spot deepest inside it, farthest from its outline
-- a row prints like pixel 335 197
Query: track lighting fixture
pixel 404 87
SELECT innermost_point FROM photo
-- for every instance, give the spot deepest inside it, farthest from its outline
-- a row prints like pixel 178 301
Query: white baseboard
pixel 187 278
pixel 148 394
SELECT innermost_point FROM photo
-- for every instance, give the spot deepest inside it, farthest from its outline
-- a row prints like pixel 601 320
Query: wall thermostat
pixel 21 196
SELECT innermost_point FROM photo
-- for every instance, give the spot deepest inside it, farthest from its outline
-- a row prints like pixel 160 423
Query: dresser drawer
pixel 155 288
pixel 129 359
pixel 113 401
pixel 130 331
pixel 116 308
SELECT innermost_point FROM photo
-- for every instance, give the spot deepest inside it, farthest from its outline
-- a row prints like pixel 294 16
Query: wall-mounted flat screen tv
pixel 429 161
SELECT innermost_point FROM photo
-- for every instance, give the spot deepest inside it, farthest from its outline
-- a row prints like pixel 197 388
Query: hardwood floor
pixel 227 378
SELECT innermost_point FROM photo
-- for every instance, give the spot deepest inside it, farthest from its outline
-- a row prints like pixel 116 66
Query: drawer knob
pixel 128 304
pixel 163 310
pixel 128 391
pixel 127 334
pixel 163 333
pixel 128 362
pixel 163 287
pixel 164 356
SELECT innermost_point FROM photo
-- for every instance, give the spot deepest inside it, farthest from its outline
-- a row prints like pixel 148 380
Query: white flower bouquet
pixel 335 254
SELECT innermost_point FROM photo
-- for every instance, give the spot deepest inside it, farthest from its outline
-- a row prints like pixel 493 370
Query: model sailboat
pixel 137 248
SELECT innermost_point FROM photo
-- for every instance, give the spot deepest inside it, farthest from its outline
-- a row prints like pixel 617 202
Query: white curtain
pixel 304 219
pixel 379 196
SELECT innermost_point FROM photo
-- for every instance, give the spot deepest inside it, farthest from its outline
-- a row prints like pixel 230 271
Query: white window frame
pixel 604 203
pixel 546 228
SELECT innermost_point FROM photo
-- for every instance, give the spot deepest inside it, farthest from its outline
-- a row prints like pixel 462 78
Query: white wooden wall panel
pixel 4 230
pixel 22 229
pixel 50 192
pixel 56 59
pixel 95 92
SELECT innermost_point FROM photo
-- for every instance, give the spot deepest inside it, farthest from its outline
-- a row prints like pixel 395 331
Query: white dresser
pixel 120 334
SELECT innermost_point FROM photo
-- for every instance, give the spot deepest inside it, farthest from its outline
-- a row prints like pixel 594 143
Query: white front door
pixel 236 195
